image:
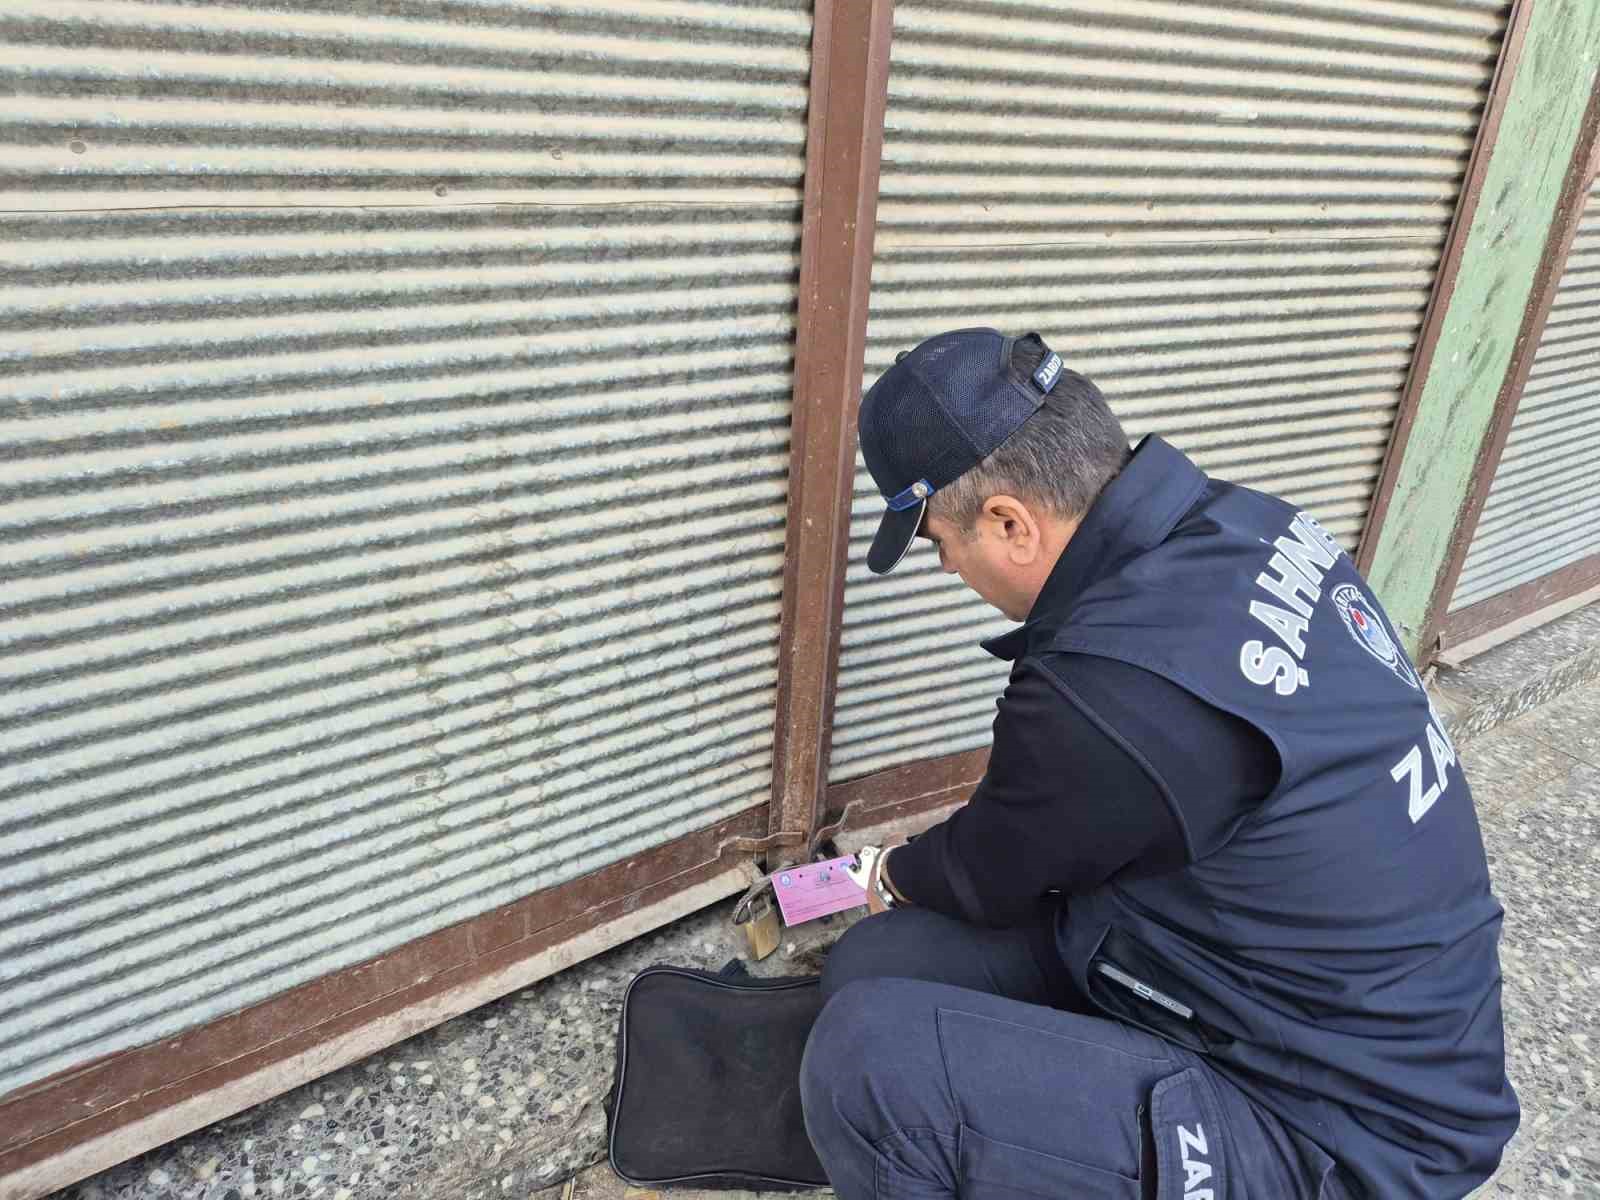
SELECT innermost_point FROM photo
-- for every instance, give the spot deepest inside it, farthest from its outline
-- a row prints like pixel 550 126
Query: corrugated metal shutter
pixel 395 468
pixel 1228 215
pixel 1543 508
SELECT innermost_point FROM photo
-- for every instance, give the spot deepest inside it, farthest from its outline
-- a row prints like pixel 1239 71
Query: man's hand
pixel 875 905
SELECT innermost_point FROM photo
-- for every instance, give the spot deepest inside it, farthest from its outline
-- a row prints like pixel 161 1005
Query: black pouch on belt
pixel 707 1090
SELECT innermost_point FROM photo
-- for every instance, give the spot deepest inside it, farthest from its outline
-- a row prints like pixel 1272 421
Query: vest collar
pixel 1136 511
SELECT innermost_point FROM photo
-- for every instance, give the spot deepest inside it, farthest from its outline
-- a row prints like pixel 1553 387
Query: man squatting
pixel 1217 921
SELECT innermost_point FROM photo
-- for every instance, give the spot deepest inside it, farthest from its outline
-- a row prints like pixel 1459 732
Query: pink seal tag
pixel 817 889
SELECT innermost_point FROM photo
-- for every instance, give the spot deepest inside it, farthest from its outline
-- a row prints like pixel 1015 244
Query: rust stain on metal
pixel 849 87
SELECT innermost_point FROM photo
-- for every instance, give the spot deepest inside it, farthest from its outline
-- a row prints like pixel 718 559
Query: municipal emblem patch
pixel 1366 626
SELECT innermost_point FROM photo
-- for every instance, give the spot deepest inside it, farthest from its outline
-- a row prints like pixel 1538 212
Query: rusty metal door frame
pixel 849 92
pixel 1496 612
pixel 1382 555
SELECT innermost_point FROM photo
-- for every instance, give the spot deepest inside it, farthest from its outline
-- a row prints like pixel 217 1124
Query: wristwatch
pixel 869 875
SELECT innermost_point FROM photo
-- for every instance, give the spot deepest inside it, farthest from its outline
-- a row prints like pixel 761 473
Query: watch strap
pixel 885 896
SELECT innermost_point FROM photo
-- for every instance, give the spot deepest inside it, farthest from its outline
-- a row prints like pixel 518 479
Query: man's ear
pixel 1015 525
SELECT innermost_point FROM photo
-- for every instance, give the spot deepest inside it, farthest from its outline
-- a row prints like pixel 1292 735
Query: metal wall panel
pixel 395 428
pixel 1229 215
pixel 1543 507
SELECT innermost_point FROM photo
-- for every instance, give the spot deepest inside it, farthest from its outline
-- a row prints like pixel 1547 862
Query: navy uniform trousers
pixel 948 1061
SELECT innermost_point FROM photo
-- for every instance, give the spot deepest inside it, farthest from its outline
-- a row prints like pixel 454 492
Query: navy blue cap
pixel 939 411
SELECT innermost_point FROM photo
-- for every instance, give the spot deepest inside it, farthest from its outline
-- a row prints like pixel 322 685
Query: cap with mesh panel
pixel 939 411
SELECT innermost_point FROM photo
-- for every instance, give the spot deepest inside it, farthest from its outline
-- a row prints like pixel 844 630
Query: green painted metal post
pixel 1414 542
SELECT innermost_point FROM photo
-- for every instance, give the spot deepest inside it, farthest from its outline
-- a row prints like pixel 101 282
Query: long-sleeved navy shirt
pixel 1098 767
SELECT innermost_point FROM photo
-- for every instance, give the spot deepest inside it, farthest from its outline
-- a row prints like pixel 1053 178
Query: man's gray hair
pixel 1060 458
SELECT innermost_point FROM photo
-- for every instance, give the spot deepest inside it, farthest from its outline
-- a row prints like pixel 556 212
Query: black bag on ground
pixel 707 1090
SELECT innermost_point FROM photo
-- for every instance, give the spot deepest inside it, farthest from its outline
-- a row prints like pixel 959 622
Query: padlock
pixel 761 928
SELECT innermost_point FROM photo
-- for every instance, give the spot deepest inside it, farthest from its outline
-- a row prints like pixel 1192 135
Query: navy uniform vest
pixel 1337 957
